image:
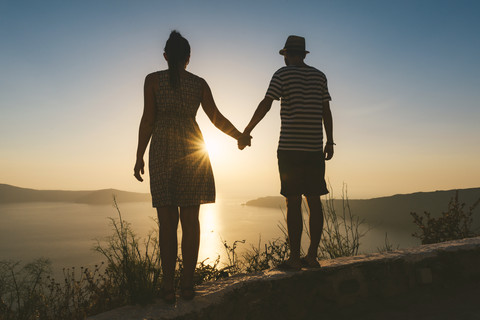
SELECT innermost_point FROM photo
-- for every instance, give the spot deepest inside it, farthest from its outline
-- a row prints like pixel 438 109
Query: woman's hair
pixel 177 49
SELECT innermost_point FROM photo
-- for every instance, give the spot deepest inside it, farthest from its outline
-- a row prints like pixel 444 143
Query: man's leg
pixel 315 225
pixel 295 228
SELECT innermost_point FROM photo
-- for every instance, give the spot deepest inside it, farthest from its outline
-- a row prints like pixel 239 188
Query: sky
pixel 404 77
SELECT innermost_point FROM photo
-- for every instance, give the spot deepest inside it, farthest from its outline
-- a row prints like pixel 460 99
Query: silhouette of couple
pixel 181 177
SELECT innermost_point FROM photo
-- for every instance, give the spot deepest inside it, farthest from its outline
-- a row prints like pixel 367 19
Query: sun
pixel 217 145
pixel 213 148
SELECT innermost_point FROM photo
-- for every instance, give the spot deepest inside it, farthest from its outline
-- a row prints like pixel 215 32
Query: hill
pixel 12 194
pixel 394 210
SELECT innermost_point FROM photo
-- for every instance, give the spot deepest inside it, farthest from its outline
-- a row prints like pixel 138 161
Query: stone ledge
pixel 341 282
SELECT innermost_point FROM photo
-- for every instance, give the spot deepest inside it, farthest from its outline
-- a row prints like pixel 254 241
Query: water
pixel 66 232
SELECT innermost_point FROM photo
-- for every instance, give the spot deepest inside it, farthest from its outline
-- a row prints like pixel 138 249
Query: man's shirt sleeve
pixel 275 88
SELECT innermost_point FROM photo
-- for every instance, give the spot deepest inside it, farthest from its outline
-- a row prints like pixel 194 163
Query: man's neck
pixel 296 63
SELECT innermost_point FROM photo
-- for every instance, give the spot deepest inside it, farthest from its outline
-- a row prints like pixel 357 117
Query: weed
pixel 388 246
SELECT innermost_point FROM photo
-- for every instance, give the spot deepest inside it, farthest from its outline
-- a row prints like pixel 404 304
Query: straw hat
pixel 294 43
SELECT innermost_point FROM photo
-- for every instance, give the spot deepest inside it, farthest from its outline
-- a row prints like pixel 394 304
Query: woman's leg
pixel 190 242
pixel 168 220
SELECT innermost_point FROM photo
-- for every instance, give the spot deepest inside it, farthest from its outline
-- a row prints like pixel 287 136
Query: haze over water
pixel 66 232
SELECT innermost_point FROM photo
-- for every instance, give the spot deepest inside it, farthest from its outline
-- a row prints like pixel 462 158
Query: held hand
pixel 139 168
pixel 244 140
pixel 328 151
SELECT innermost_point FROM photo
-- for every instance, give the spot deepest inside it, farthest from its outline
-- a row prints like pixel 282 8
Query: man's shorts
pixel 302 172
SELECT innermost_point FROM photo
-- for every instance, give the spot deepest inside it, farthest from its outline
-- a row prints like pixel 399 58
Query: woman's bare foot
pixel 290 265
pixel 309 262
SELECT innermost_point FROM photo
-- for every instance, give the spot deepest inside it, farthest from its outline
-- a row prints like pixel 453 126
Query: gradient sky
pixel 404 77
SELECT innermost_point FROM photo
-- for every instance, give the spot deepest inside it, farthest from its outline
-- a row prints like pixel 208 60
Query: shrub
pixel 206 272
pixel 341 232
pixel 134 270
pixel 22 288
pixel 30 292
pixel 451 225
pixel 274 252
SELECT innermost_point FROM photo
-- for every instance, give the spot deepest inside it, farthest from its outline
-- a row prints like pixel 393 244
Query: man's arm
pixel 263 107
pixel 328 125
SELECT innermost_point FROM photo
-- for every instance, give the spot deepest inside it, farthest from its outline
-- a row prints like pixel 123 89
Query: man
pixel 301 155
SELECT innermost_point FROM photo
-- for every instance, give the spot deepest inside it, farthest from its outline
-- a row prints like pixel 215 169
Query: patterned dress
pixel 180 169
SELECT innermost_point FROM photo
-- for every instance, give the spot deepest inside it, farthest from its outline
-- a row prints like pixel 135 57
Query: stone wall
pixel 338 284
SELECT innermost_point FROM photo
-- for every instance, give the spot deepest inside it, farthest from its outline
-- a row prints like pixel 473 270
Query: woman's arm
pixel 210 108
pixel 146 126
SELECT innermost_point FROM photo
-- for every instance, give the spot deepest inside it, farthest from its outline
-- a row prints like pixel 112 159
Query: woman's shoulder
pixel 196 79
pixel 156 74
pixel 151 76
pixel 194 76
pixel 155 77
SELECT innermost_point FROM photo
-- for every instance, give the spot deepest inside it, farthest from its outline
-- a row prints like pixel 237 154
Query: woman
pixel 180 171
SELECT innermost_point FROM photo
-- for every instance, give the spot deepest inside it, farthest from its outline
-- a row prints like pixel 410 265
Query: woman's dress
pixel 180 169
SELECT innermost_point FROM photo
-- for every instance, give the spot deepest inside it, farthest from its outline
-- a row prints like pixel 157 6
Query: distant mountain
pixel 105 197
pixel 394 210
pixel 12 194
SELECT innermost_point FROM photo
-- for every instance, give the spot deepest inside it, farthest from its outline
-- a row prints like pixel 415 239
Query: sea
pixel 66 233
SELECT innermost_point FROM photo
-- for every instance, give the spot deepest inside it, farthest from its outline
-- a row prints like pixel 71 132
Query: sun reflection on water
pixel 210 242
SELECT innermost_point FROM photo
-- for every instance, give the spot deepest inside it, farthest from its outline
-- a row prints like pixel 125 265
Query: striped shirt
pixel 302 90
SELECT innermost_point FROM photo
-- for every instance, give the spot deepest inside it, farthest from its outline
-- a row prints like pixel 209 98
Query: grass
pixel 132 272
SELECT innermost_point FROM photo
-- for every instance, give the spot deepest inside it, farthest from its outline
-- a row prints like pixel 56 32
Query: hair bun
pixel 175 34
pixel 177 49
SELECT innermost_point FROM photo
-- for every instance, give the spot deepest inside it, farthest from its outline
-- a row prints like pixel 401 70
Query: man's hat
pixel 294 43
